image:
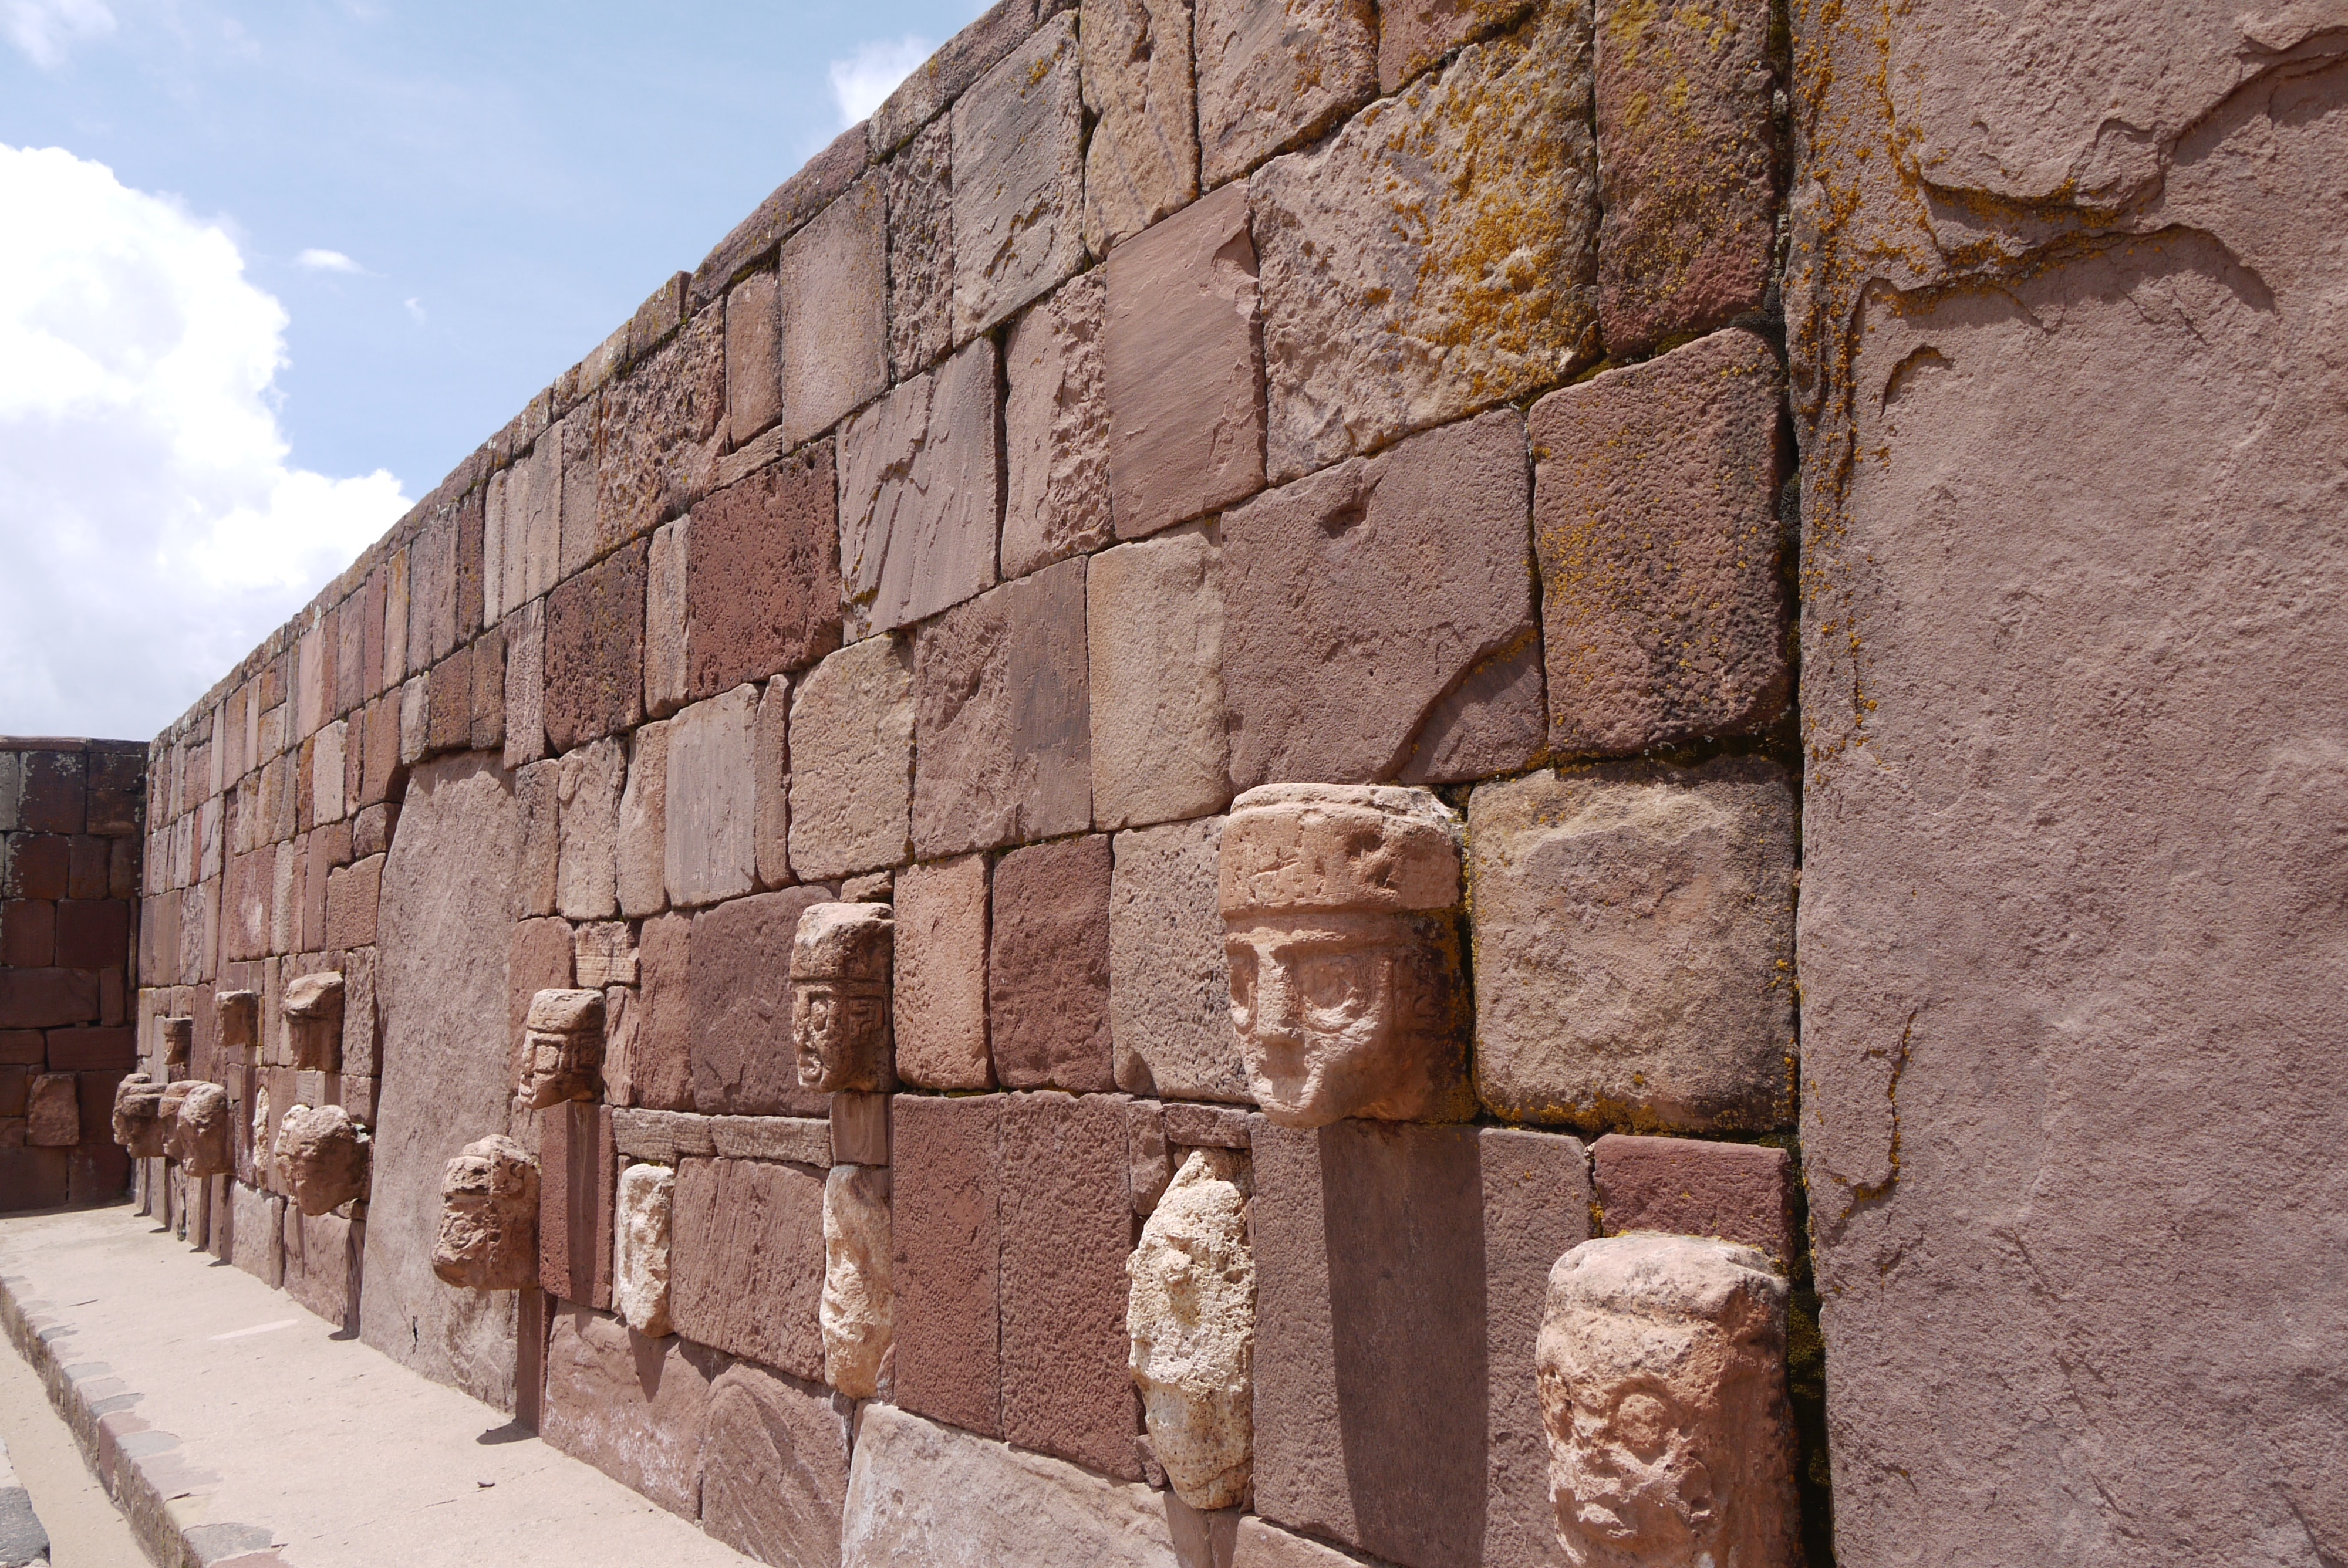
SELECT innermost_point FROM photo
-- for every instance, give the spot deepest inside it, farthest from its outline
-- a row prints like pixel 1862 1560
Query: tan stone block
pixel 770 787
pixel 639 1248
pixel 858 1308
pixel 1409 277
pixel 587 794
pixel 665 670
pixel 538 839
pixel 525 687
pixel 659 429
pixel 939 999
pixel 583 492
pixel 921 252
pixel 1415 34
pixel 835 311
pixel 1153 632
pixel 919 482
pixel 602 954
pixel 712 851
pixel 1273 74
pixel 1018 163
pixel 851 730
pixel 1170 984
pixel 1056 429
pixel 327 770
pixel 753 383
pixel 937 82
pixel 1142 160
pixel 533 542
pixel 641 882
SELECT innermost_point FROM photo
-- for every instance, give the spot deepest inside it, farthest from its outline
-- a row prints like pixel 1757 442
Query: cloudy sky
pixel 270 270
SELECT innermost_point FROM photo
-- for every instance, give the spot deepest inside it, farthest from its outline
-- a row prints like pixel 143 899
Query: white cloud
pixel 860 82
pixel 327 262
pixel 43 29
pixel 152 530
pixel 414 311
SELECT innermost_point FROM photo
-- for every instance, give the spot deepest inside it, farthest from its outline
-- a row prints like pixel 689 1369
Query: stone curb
pixel 143 1470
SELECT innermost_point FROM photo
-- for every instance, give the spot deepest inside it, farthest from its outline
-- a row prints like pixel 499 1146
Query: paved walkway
pixel 238 1431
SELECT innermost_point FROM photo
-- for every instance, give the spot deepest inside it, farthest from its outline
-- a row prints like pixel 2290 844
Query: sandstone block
pixel 835 306
pixel 1205 1126
pixel 1048 966
pixel 945 75
pixel 587 793
pixel 595 652
pixel 1142 160
pixel 1056 429
pixel 1018 162
pixel 1415 34
pixel 746 1261
pixel 1741 1192
pixel 1181 362
pixel 1276 73
pixel 658 430
pixel 708 802
pixel 1656 516
pixel 642 1210
pixel 1066 1226
pixel 945 1235
pixel 351 895
pixel 637 1410
pixel 1003 737
pixel 852 729
pixel 938 1003
pixel 858 1309
pixel 1170 983
pixel 328 766
pixel 321 1255
pixel 919 489
pixel 858 1130
pixel 771 789
pixel 1687 164
pixel 1409 278
pixel 791 204
pixel 1191 1319
pixel 921 252
pixel 92 933
pixel 1634 945
pixel 604 954
pixel 775 1472
pixel 763 574
pixel 538 840
pixel 578 1170
pixel 659 1054
pixel 1256 1544
pixel 667 566
pixel 753 378
pixel 53 792
pixel 739 990
pixel 257 1234
pixel 642 875
pixel 1154 630
pixel 525 633
pixel 53 1111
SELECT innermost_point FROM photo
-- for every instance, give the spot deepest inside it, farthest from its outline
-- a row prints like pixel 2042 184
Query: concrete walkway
pixel 235 1430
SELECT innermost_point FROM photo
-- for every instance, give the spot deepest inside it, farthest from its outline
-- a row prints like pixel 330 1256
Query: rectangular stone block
pixel 1142 160
pixel 746 1261
pixel 1067 1218
pixel 53 1111
pixel 1056 429
pixel 351 894
pixel 322 1262
pixel 595 652
pixel 538 959
pixel 525 687
pixel 660 1048
pixel 257 1227
pixel 327 771
pixel 1019 179
pixel 636 1409
pixel 1633 946
pixel 711 852
pixel 1205 1126
pixel 538 839
pixel 937 997
pixel 587 788
pixel 1154 632
pixel 1003 736
pixel 754 379
pixel 835 311
pixel 921 251
pixel 1380 616
pixel 945 1241
pixel 659 429
pixel 578 1169
pixel 667 567
pixel 738 981
pixel 851 730
pixel 792 203
pixel 582 490
pixel 1181 364
pixel 1374 328
pixel 1048 966
pixel 642 874
pixel 1170 984
pixel 1656 517
pixel 92 933
pixel 1273 74
pixel 762 578
pixel 47 998
pixel 770 786
pixel 602 954
pixel 860 1129
pixel 920 490
pixel 775 1469
pixel 802 1140
pixel 488 731
pixel 35 1178
pixel 1741 1192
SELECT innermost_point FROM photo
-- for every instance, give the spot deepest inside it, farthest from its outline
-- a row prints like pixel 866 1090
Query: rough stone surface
pixel 753 383
pixel 487 1237
pixel 1190 1318
pixel 919 491
pixel 1634 929
pixel 1655 517
pixel 658 1051
pixel 322 1254
pixel 1056 429
pixel 945 75
pixel 762 574
pixel 1415 34
pixel 325 1156
pixel 657 431
pixel 745 1271
pixel 667 565
pixel 1048 966
pixel 1363 602
pixel 1663 1390
pixel 1276 73
pixel 1154 629
pixel 578 1171
pixel 834 302
pixel 1169 993
pixel 594 656
pixel 1255 1544
pixel 53 1113
pixel 1741 1192
pixel 642 1210
pixel 1180 361
pixel 587 793
pixel 851 729
pixel 447 1074
pixel 1141 159
pixel 641 874
pixel 739 994
pixel 1688 168
pixel 840 964
pixel 775 1472
pixel 638 1409
pixel 858 1309
pixel 1002 738
pixel 1436 256
pixel 537 842
pixel 770 787
pixel 921 252
pixel 1018 189
pixel 939 997
pixel 257 1234
pixel 709 803
pixel 946 1178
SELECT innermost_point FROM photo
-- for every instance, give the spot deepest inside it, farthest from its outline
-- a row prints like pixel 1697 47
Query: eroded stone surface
pixel 1048 966
pixel 640 1247
pixel 852 732
pixel 762 574
pixel 746 1261
pixel 921 251
pixel 1142 160
pixel 1191 1319
pixel 919 483
pixel 709 799
pixel 314 1021
pixel 1415 34
pixel 1276 73
pixel 636 1409
pixel 658 430
pixel 1018 160
pixel 1154 629
pixel 487 1237
pixel 945 1235
pixel 563 1048
pixel 738 993
pixel 753 383
pixel 1741 1192
pixel 587 787
pixel 1169 993
pixel 840 962
pixel 1056 429
pixel 323 1155
pixel 939 1005
pixel 775 1472
pixel 835 300
pixel 594 651
pixel 201 1140
pixel 858 1307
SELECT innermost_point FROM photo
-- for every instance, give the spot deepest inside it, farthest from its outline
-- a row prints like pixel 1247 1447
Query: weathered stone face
pixel 1274 73
pixel 138 1122
pixel 859 1306
pixel 563 1048
pixel 323 1156
pixel 920 484
pixel 640 1247
pixel 1661 1365
pixel 178 1039
pixel 239 1019
pixel 851 730
pixel 1191 1318
pixel 488 1238
pixel 938 1000
pixel 202 1140
pixel 314 1021
pixel 1344 954
pixel 1018 164
pixel 1141 161
pixel 1056 430
pixel 840 997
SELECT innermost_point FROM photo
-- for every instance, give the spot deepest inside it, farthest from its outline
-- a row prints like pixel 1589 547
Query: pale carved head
pixel 323 1156
pixel 840 997
pixel 1340 906
pixel 201 1137
pixel 314 1021
pixel 1661 1370
pixel 488 1238
pixel 139 1125
pixel 178 1039
pixel 239 1020
pixel 563 1047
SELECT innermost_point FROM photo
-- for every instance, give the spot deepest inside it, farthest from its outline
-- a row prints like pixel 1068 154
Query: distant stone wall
pixel 1147 406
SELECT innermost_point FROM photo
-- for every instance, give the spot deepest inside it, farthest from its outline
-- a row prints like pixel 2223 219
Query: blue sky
pixel 448 205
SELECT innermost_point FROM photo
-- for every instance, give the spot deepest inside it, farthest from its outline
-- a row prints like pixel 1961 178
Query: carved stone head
pixel 314 1021
pixel 1660 1368
pixel 239 1020
pixel 1340 907
pixel 488 1217
pixel 563 1047
pixel 139 1125
pixel 323 1156
pixel 840 997
pixel 257 1139
pixel 179 1039
pixel 201 1139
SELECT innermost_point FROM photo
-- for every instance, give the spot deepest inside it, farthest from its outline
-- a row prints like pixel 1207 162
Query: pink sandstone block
pixel 920 484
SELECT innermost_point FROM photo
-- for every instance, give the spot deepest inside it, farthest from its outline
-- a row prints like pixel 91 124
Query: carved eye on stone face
pixel 1243 959
pixel 1643 1423
pixel 1339 988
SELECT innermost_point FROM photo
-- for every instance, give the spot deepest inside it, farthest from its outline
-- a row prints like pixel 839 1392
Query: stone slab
pixel 1741 1192
pixel 594 654
pixel 775 1470
pixel 1273 74
pixel 638 1409
pixel 762 574
pixel 587 793
pixel 1055 499
pixel 852 732
pixel 739 998
pixel 709 801
pixel 746 1261
pixel 1048 966
pixel 1154 630
pixel 921 252
pixel 938 995
pixel 1169 992
pixel 919 493
pixel 577 1168
pixel 945 1258
pixel 835 311
pixel 1018 159
pixel 1141 159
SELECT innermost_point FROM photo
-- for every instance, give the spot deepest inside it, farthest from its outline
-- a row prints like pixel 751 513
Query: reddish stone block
pixel 594 653
pixel 1066 1225
pixel 96 1173
pixel 577 1171
pixel 1047 973
pixel 16 1084
pixel 945 75
pixel 22 1047
pixel 938 990
pixel 47 999
pixel 774 1479
pixel 1415 34
pixel 29 933
pixel 946 1177
pixel 754 382
pixel 636 1409
pixel 53 1111
pixel 89 865
pixel 538 956
pixel 449 704
pixel 117 781
pixel 660 1048
pixel 792 203
pixel 55 787
pixel 322 1256
pixel 93 933
pixel 1741 1192
pixel 471 580
pixel 33 1178
pixel 762 574
pixel 658 431
pixel 36 865
pixel 738 992
pixel 489 656
pixel 746 1260
pixel 94 1049
pixel 919 495
pixel 382 774
pixel 351 895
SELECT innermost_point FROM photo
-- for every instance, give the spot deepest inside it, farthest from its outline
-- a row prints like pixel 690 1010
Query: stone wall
pixel 1148 404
